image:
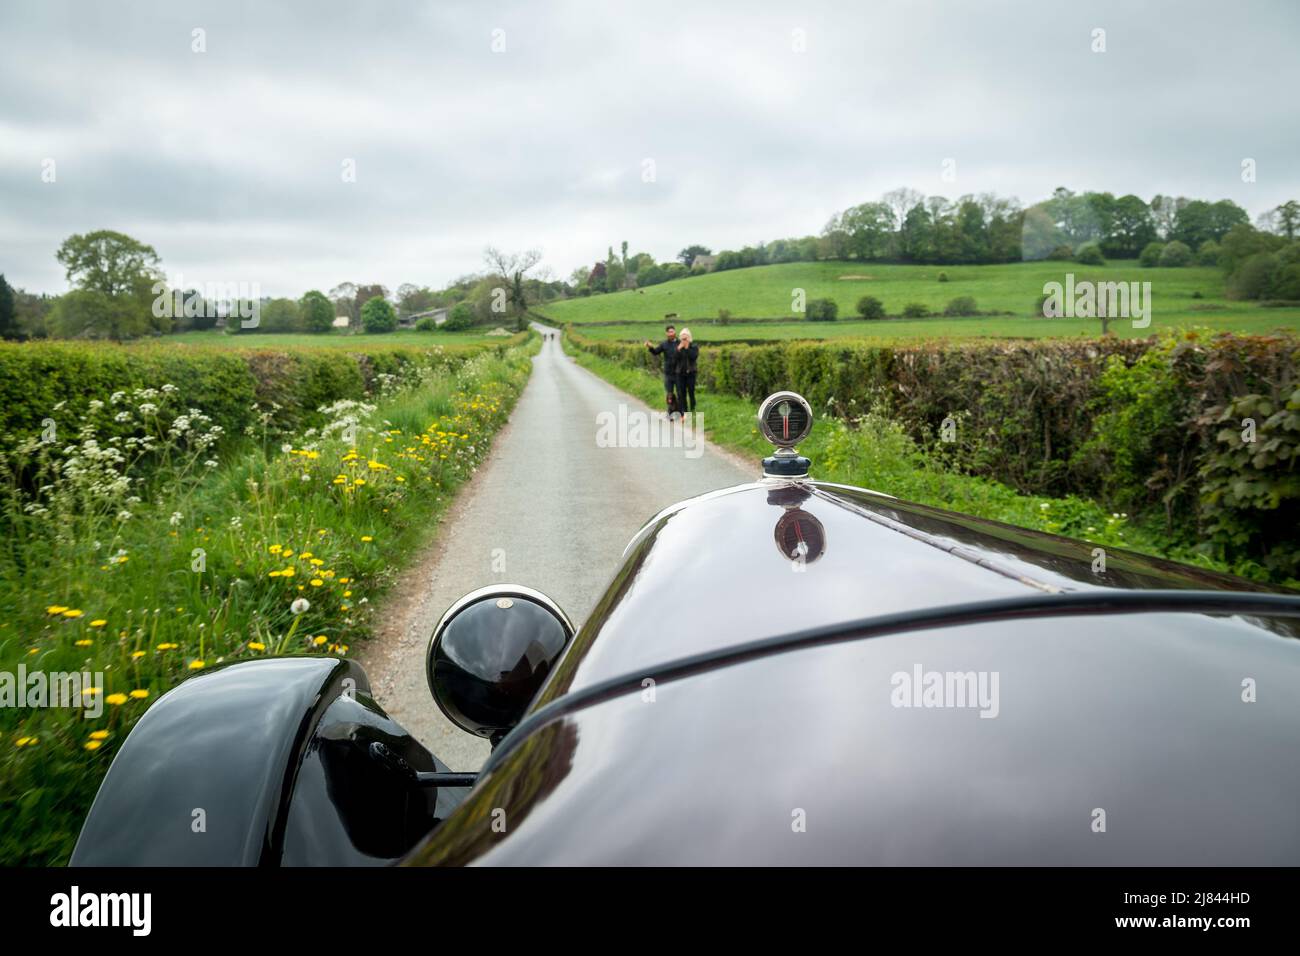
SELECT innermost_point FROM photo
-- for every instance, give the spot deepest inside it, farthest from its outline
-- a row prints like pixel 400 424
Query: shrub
pixel 915 310
pixel 869 307
pixel 962 305
pixel 1175 254
pixel 426 324
pixel 1090 255
pixel 317 312
pixel 1062 253
pixel 1208 254
pixel 459 318
pixel 724 317
pixel 943 277
pixel 1150 255
pixel 378 315
pixel 822 310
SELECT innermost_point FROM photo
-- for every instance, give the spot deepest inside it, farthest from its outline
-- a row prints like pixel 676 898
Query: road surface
pixel 552 508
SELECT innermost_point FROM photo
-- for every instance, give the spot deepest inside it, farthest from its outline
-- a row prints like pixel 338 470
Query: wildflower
pixel 93 744
pixel 275 548
pixel 84 643
pixel 73 612
pixel 55 609
pixel 367 538
pixel 317 561
pixel 318 641
pixel 300 606
pixel 175 519
pixel 116 700
pixel 25 741
pixel 305 555
pixel 139 693
pixel 316 582
pixel 168 647
pixel 136 655
pixel 358 481
pixel 256 646
pixel 347 594
pixel 197 665
pixel 98 622
pixel 286 448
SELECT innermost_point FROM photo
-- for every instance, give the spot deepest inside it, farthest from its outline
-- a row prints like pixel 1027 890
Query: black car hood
pixel 1139 721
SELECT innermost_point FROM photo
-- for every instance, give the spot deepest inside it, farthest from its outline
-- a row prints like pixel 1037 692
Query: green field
pixel 767 291
pixel 331 339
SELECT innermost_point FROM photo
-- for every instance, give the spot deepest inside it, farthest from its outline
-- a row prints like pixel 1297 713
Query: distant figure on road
pixel 685 357
pixel 668 349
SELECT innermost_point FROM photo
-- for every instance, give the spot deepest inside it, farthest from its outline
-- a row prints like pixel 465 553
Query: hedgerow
pixel 1204 432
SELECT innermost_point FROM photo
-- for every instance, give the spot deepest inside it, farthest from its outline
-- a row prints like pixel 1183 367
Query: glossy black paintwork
pixel 277 755
pixel 1141 716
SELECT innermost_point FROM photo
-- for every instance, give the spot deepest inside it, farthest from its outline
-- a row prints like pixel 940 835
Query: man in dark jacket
pixel 668 349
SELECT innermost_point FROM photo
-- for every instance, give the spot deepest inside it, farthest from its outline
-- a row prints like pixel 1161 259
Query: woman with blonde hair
pixel 686 357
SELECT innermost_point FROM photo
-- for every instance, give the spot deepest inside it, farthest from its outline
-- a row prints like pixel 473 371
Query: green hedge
pixel 1152 426
pixel 234 385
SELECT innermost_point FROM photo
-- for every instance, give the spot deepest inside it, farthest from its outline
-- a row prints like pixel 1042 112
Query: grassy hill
pixel 766 292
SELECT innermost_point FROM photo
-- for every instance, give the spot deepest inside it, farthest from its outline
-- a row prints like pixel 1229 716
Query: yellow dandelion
pixel 98 622
pixel 305 555
pixel 73 612
pixel 318 641
pixel 84 643
pixel 93 745
pixel 136 655
pixel 25 741
pixel 316 582
pixel 317 561
pixel 358 481
pixel 99 735
pixel 55 609
pixel 197 665
pixel 256 646
pixel 367 538
pixel 139 693
pixel 117 700
pixel 168 647
pixel 347 594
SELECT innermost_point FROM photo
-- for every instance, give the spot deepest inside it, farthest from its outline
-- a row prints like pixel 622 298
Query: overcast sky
pixel 230 162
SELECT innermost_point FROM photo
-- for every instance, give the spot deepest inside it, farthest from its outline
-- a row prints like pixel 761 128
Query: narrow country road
pixel 552 508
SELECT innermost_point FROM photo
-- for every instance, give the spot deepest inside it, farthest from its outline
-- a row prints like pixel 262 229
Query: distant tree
pixel 460 318
pixel 900 202
pixel 915 310
pixel 822 310
pixel 344 297
pixel 1151 254
pixel 89 313
pixel 378 315
pixel 8 311
pixel 1208 254
pixel 1175 254
pixel 365 293
pixel 317 312
pixel 1287 218
pixel 869 307
pixel 280 315
pixel 109 262
pixel 688 255
pixel 413 299
pixel 1090 255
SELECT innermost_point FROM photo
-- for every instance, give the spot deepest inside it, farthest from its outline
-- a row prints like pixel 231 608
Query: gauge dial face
pixel 785 419
pixel 800 536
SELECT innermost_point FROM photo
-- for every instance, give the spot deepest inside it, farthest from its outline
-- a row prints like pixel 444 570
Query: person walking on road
pixel 668 349
pixel 685 360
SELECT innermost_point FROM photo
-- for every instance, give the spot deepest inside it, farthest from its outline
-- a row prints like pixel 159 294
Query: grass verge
pixel 139 585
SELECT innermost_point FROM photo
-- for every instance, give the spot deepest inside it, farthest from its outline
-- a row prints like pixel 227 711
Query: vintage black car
pixel 850 679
